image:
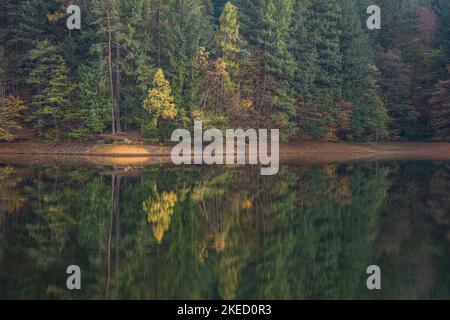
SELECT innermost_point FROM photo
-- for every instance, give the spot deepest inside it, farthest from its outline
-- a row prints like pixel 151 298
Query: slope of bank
pixel 296 152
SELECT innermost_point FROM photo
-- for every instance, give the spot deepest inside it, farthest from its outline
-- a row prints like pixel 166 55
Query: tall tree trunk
pixel 117 91
pixel 2 88
pixel 110 67
pixel 55 122
pixel 159 34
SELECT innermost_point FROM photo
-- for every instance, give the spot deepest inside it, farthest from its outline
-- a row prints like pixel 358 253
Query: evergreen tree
pixel 25 21
pixel 249 18
pixel 229 40
pixel 304 50
pixel 188 30
pixel 370 117
pixel 59 93
pixel 324 20
pixel 94 102
pixel 224 74
pixel 440 109
pixel 271 32
pixel 108 22
pixel 321 75
pixel 275 39
pixel 51 85
pixel 442 8
pixel 358 80
pixel 356 52
pixel 396 84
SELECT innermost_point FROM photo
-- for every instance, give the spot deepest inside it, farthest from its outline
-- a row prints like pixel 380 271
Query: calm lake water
pixel 165 232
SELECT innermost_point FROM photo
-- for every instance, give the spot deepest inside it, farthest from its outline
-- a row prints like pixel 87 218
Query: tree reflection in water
pixel 226 233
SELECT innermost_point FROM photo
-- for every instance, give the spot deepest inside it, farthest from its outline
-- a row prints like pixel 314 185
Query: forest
pixel 310 68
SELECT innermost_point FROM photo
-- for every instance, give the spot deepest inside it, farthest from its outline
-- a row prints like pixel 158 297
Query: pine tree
pixel 270 30
pixel 311 115
pixel 356 52
pixel 25 21
pixel 304 50
pixel 94 102
pixel 59 93
pixel 229 40
pixel 359 85
pixel 320 74
pixel 181 48
pixel 138 39
pixel 440 110
pixel 369 119
pixel 52 88
pixel 323 24
pixel 275 38
pixel 224 73
pixel 396 84
pixel 441 60
pixel 107 19
pixel 443 11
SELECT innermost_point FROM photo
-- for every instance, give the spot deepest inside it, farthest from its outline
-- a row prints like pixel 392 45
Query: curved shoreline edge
pixel 301 152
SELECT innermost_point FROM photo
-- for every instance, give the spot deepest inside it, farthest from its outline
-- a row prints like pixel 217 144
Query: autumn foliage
pixel 11 115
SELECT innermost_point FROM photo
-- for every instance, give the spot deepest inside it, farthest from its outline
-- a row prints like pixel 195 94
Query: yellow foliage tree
pixel 159 101
pixel 10 113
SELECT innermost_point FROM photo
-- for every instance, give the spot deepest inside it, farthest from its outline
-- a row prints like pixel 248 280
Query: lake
pixel 164 232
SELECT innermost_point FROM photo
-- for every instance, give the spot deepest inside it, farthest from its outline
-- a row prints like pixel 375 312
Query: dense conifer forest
pixel 311 68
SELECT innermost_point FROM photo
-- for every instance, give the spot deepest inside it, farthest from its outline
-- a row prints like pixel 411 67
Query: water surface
pixel 163 232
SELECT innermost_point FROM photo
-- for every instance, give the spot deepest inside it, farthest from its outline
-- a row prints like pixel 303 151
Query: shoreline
pixel 299 152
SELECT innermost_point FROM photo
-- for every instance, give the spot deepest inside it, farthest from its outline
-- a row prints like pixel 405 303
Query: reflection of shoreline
pixel 304 234
pixel 293 153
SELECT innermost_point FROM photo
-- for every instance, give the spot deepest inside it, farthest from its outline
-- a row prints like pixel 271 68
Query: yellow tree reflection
pixel 11 201
pixel 159 211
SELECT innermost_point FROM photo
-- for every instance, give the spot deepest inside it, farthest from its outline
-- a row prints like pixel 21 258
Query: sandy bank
pixel 297 152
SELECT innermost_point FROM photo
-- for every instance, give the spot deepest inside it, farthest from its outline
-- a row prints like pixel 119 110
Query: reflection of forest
pixel 226 233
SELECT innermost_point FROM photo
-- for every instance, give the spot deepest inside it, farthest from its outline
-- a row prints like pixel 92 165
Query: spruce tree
pixel 93 109
pixel 369 116
pixel 228 39
pixel 107 15
pixel 274 38
pixel 396 84
pixel 304 50
pixel 359 85
pixel 188 30
pixel 324 27
pixel 25 21
pixel 51 86
pixel 440 110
